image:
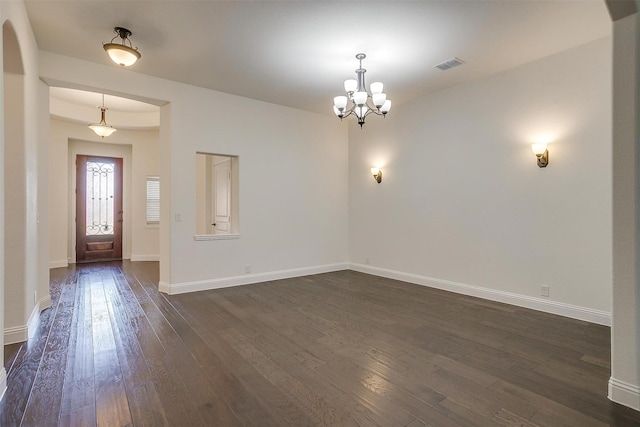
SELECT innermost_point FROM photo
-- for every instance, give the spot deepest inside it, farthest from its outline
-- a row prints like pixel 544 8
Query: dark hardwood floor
pixel 336 349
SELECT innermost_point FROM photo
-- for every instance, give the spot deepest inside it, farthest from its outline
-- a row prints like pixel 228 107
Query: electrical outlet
pixel 247 269
pixel 544 290
pixel 178 216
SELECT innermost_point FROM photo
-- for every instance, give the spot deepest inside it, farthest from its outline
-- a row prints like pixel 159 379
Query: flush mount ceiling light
pixel 120 53
pixel 102 129
pixel 357 99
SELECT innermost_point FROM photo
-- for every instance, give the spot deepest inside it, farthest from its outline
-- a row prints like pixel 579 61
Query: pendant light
pixel 102 129
pixel 120 53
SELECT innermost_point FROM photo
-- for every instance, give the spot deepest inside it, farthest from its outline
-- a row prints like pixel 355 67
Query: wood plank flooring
pixel 336 349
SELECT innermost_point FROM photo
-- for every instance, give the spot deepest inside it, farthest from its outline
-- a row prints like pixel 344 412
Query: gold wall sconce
pixel 541 152
pixel 377 174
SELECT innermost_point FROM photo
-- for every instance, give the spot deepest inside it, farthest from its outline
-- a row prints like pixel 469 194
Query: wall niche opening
pixel 217 196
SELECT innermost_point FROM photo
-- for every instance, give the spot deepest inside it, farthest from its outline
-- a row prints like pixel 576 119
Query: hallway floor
pixel 334 349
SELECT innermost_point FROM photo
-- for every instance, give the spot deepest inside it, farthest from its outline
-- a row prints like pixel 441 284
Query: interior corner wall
pixel 139 149
pixel 463 205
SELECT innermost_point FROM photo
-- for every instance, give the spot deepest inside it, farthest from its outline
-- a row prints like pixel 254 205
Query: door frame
pixel 217 161
pixel 82 239
pixel 91 148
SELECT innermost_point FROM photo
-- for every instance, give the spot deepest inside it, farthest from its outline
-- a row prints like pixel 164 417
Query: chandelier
pixel 120 53
pixel 358 101
pixel 102 129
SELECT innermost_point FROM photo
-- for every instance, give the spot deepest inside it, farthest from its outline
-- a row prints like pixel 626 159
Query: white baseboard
pixel 544 305
pixel 16 334
pixel 624 393
pixel 247 279
pixel 145 257
pixel 34 319
pixel 22 333
pixel 164 287
pixel 44 303
pixel 59 264
pixel 3 383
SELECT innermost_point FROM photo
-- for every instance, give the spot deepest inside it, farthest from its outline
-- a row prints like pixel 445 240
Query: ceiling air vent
pixel 449 63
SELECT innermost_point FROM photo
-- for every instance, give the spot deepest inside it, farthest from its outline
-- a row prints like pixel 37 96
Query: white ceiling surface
pixel 298 53
pixel 82 107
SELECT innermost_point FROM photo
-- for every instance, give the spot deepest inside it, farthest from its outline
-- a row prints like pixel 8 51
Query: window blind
pixel 153 200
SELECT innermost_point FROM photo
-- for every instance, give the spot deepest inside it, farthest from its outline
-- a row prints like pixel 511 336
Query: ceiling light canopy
pixel 357 100
pixel 102 129
pixel 120 53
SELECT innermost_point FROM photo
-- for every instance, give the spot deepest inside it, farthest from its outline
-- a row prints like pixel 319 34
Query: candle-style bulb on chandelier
pixel 358 101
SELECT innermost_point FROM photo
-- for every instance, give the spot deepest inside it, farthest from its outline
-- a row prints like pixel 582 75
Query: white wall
pixel 15 14
pixel 203 175
pixel 462 204
pixel 15 208
pixel 293 193
pixel 293 174
pixel 624 384
pixel 139 150
pixel 145 239
pixel 42 214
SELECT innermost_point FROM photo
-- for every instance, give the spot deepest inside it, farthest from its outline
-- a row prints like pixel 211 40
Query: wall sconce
pixel 377 174
pixel 541 152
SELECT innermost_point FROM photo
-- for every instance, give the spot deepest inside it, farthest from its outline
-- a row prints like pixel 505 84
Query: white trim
pixel 3 382
pixel 59 264
pixel 22 333
pixel 44 303
pixel 247 279
pixel 164 287
pixel 545 305
pixel 145 258
pixel 34 320
pixel 624 393
pixel 204 237
pixel 15 334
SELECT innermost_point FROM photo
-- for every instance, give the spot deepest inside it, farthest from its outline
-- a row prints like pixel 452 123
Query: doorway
pixel 99 213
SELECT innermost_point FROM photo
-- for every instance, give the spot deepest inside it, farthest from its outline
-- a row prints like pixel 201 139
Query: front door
pixel 98 208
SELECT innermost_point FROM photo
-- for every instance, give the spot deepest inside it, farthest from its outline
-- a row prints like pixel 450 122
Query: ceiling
pixel 81 107
pixel 298 53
